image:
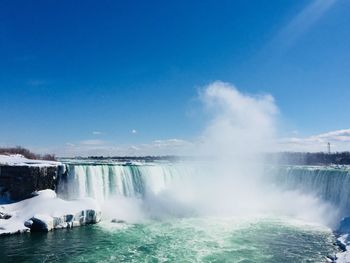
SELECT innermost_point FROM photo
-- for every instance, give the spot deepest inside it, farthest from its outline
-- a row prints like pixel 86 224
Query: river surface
pixel 176 240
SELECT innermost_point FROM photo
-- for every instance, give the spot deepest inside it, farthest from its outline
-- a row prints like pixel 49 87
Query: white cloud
pixel 339 140
pixel 92 142
pixel 135 148
pixel 133 131
pixel 335 136
pixel 86 148
pixel 162 147
pixel 172 146
pixel 170 143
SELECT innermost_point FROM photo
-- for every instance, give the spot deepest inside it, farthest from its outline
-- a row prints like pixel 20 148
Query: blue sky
pixel 76 73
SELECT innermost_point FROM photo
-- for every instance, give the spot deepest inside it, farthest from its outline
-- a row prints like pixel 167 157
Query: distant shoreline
pixel 286 158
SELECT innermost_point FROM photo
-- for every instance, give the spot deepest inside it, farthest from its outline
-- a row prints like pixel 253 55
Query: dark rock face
pixel 19 182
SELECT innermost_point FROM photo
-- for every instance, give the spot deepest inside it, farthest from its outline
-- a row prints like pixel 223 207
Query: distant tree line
pixel 291 158
pixel 27 153
pixel 318 158
pixel 147 158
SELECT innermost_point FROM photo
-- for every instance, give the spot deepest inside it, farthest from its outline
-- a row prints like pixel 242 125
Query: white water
pixel 326 183
pixel 130 191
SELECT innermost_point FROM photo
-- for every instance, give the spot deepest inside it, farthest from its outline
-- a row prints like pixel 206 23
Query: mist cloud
pixel 239 123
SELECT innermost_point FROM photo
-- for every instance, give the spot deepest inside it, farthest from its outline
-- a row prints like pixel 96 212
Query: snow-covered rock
pixel 42 223
pixel 46 212
pixel 344 245
pixel 343 241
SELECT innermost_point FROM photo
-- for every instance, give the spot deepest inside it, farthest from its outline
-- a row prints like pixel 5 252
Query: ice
pixel 47 205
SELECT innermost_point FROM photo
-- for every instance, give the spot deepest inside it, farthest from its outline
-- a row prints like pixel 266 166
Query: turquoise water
pixel 176 240
pixel 190 239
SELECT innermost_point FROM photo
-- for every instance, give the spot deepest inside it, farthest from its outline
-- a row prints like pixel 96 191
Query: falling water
pixel 104 181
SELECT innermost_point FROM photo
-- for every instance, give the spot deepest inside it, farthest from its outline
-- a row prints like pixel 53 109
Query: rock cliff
pixel 20 181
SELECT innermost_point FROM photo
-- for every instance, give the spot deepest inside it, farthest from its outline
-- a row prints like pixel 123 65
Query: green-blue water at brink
pixel 175 240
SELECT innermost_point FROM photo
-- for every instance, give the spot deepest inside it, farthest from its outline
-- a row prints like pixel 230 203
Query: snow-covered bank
pixel 46 211
pixel 343 241
pixel 343 256
pixel 20 160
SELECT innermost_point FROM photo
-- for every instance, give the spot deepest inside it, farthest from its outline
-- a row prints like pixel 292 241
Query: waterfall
pixel 327 183
pixel 102 181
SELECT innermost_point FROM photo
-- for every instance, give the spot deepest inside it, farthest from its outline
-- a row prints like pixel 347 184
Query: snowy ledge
pixel 46 212
pixel 20 160
pixel 343 256
pixel 343 241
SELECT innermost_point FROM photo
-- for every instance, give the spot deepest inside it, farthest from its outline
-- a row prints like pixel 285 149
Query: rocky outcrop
pixel 19 182
pixel 45 223
pixel 4 216
pixel 118 221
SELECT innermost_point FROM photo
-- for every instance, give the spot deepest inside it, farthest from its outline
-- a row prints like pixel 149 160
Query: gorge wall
pixel 18 182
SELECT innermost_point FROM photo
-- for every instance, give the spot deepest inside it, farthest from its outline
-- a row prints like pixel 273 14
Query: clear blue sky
pixel 69 68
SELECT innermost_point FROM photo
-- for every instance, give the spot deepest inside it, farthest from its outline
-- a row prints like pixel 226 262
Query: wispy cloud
pixel 170 143
pixel 97 132
pixel 339 140
pixel 86 148
pixel 133 131
pixel 92 142
pixel 100 147
pixel 301 23
pixel 161 147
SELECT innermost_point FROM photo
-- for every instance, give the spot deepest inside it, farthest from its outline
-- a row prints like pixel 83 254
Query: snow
pixel 20 160
pixel 343 237
pixel 46 204
pixel 344 256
